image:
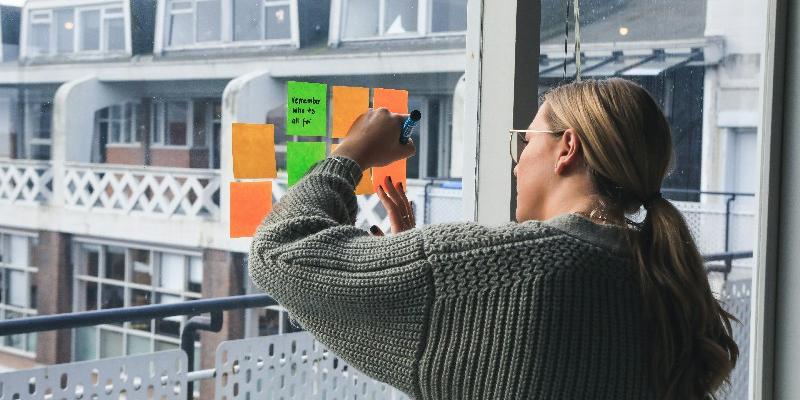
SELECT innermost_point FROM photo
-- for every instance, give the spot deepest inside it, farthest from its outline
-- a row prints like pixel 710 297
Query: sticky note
pixel 396 101
pixel 300 157
pixel 306 109
pixel 250 204
pixel 397 170
pixel 254 151
pixel 348 104
pixel 365 185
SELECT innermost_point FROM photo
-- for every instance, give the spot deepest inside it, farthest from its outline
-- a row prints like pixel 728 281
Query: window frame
pixel 424 24
pixel 31 271
pixel 227 40
pixel 132 125
pixel 158 130
pixel 77 31
pixel 128 286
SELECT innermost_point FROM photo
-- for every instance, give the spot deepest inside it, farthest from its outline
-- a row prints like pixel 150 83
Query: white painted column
pixel 74 107
pixel 246 99
pixel 502 76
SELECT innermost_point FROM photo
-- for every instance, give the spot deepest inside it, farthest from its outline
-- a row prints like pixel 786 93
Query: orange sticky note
pixel 397 170
pixel 397 102
pixel 250 203
pixel 254 151
pixel 348 104
pixel 365 186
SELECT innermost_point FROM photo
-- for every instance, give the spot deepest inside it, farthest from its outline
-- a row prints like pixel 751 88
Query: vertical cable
pixel 577 8
pixel 566 37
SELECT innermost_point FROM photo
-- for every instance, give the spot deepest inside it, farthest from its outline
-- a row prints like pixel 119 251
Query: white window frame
pixel 31 271
pixel 226 28
pixel 154 288
pixel 158 130
pixel 131 124
pixel 424 23
pixel 77 10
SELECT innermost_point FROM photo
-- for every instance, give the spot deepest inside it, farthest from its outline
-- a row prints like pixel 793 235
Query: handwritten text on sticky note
pixel 306 109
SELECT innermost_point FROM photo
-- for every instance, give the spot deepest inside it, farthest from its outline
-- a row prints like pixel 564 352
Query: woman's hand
pixel 400 210
pixel 374 140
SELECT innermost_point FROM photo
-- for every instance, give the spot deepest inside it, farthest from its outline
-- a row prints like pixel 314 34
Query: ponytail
pixel 627 146
pixel 690 331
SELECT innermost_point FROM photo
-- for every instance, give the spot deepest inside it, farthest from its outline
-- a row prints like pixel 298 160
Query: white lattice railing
pixel 25 181
pixel 137 190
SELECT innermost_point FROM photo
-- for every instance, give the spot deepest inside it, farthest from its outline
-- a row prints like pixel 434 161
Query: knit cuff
pixel 340 166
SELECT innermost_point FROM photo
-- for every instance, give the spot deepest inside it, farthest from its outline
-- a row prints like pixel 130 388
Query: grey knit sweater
pixel 537 310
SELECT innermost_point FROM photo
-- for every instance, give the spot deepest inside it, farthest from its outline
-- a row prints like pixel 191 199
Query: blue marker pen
pixel 408 126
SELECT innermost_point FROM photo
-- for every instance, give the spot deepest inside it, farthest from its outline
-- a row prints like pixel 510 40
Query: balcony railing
pixel 25 182
pixel 280 366
pixel 146 191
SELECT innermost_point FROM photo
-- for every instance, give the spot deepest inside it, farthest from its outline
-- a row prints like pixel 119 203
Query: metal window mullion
pixel 424 17
pixel 381 17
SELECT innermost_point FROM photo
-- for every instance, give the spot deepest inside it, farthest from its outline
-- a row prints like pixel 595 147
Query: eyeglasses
pixel 517 141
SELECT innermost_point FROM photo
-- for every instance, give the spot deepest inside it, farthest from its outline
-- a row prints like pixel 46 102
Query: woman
pixel 572 302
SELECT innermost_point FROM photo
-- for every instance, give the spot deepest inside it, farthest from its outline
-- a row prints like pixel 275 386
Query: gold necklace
pixel 600 216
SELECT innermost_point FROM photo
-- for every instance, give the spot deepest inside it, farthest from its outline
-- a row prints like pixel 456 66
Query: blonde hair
pixel 627 147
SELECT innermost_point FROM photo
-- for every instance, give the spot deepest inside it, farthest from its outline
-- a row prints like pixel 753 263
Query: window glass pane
pixel 181 31
pixel 158 128
pixel 138 345
pixel 200 121
pixel 85 344
pixel 277 23
pixel 115 34
pixel 89 260
pixel 361 18
pixel 30 342
pixel 208 21
pixel 169 326
pixel 401 17
pixel 177 114
pixel 172 272
pixel 113 296
pixel 247 19
pixel 115 263
pixel 449 15
pixel 195 274
pixel 268 322
pixel 17 288
pixel 87 292
pixel 19 251
pixel 110 343
pixel 39 42
pixel 65 30
pixel 90 30
pixel 165 346
pixel 15 341
pixel 142 270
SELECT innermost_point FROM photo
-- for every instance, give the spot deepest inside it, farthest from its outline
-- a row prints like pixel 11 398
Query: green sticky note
pixel 306 109
pixel 301 156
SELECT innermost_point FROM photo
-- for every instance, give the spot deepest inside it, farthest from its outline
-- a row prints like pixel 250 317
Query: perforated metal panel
pixel 160 375
pixel 291 366
pixel 736 299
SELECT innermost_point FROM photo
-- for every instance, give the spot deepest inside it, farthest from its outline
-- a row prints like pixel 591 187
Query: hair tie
pixel 649 201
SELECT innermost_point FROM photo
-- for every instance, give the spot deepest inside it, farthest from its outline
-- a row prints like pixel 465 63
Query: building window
pixel 171 123
pixel 110 276
pixel 76 30
pixel 193 21
pixel 119 123
pixel 38 127
pixel 17 288
pixel 369 19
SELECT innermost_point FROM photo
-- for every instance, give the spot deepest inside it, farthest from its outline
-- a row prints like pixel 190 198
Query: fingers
pixel 376 231
pixel 394 211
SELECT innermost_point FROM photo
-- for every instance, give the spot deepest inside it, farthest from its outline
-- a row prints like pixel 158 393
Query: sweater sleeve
pixel 366 298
